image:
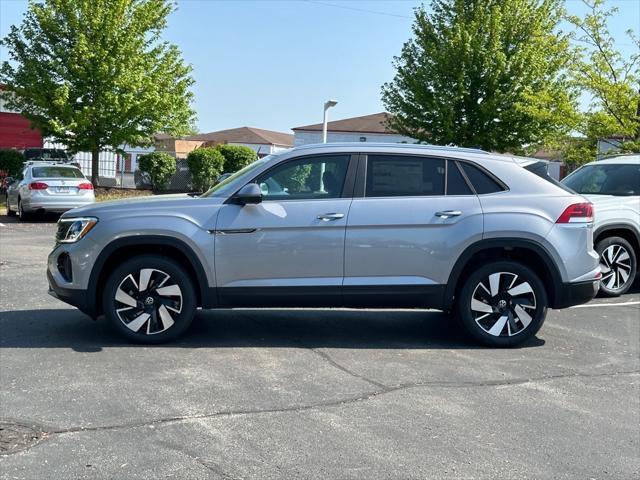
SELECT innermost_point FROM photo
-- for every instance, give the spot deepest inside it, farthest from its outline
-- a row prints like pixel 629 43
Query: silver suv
pixel 338 225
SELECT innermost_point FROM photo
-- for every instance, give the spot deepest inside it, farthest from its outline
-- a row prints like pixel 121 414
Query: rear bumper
pixel 571 294
pixel 75 297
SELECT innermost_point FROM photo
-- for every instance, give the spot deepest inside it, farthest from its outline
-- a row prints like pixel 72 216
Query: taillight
pixel 85 186
pixel 38 186
pixel 577 213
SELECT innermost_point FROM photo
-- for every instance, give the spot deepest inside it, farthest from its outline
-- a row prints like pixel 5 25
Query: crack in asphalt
pixel 341 402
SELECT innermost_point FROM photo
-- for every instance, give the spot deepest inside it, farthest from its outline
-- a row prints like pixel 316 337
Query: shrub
pixel 236 157
pixel 11 163
pixel 205 164
pixel 159 166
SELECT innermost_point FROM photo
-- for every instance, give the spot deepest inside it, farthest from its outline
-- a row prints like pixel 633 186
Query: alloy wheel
pixel 148 302
pixel 615 263
pixel 503 304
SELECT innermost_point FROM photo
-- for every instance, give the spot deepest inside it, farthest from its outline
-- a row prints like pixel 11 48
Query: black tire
pixel 168 285
pixel 518 294
pixel 22 215
pixel 10 213
pixel 617 259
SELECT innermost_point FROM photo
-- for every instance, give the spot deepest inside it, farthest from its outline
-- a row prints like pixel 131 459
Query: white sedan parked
pixel 48 187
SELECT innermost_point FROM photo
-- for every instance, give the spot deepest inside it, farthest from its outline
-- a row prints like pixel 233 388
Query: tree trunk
pixel 95 166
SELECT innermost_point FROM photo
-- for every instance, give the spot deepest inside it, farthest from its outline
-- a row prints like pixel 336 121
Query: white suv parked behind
pixel 613 186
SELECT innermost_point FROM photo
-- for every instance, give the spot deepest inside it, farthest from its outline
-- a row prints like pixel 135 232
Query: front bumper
pixel 75 297
pixel 576 293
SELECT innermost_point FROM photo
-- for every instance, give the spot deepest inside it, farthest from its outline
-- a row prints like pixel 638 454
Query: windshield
pixel 45 154
pixel 541 169
pixel 610 179
pixel 220 188
pixel 56 172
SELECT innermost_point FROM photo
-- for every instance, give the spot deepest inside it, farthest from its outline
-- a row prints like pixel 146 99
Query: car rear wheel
pixel 502 304
pixel 149 299
pixel 618 264
pixel 22 214
pixel 10 213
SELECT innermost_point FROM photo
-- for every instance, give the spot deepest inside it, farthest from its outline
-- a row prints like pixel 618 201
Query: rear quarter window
pixel 481 181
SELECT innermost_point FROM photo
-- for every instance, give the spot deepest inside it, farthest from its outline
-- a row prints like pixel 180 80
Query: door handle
pixel 449 213
pixel 327 217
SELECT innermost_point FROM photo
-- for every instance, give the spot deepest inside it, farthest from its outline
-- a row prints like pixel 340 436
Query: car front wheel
pixel 149 299
pixel 618 264
pixel 502 304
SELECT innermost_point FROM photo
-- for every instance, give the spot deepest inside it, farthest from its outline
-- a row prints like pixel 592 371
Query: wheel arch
pixel 123 248
pixel 527 252
pixel 619 230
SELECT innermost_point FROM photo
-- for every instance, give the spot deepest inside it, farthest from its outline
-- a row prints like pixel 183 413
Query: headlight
pixel 71 230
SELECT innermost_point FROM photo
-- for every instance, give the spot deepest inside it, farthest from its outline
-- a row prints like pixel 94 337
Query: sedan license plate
pixel 63 190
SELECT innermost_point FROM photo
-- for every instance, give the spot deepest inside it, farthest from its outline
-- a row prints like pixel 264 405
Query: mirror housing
pixel 9 180
pixel 249 194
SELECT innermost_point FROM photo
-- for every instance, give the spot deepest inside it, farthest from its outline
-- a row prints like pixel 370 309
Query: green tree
pixel 236 157
pixel 611 79
pixel 11 163
pixel 483 73
pixel 95 74
pixel 159 166
pixel 206 164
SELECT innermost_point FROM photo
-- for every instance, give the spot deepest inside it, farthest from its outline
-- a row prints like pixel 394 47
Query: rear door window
pixel 481 181
pixel 456 183
pixel 404 176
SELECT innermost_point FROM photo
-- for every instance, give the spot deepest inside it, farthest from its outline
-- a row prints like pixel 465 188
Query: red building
pixel 16 131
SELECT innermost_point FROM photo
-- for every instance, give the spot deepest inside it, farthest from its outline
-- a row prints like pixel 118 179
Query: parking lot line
pixel 590 305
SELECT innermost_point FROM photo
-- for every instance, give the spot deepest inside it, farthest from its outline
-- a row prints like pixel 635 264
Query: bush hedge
pixel 159 166
pixel 236 157
pixel 11 163
pixel 206 164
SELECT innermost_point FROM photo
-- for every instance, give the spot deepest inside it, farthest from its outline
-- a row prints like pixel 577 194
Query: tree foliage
pixel 11 163
pixel 206 164
pixel 483 73
pixel 608 77
pixel 236 157
pixel 159 166
pixel 95 74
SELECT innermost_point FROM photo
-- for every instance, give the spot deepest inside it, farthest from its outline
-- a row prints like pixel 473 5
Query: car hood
pixel 180 205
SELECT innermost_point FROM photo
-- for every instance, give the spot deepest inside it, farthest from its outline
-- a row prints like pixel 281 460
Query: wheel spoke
pixel 521 289
pixel 124 297
pixel 522 315
pixel 145 275
pixel 478 306
pixel 170 291
pixel 499 326
pixel 494 283
pixel 623 274
pixel 137 322
pixel 165 316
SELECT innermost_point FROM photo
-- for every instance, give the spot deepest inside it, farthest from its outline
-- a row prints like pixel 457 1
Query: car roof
pixel 619 160
pixel 394 148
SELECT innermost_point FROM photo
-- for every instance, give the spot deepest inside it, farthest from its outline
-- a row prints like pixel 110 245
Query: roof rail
pixel 421 146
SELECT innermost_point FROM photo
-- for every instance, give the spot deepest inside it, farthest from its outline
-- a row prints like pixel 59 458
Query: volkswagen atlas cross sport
pixel 338 225
pixel 613 186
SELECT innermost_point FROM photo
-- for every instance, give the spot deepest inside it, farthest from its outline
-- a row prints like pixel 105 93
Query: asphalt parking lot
pixel 311 394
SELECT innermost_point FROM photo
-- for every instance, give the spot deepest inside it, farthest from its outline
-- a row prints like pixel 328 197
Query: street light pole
pixel 327 105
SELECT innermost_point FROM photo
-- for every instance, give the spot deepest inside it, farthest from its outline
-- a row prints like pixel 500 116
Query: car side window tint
pixel 404 176
pixel 307 178
pixel 456 184
pixel 482 183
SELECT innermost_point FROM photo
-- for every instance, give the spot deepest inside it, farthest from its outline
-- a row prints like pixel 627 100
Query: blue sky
pixel 271 64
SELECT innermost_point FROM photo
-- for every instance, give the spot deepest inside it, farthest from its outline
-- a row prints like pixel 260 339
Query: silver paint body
pixel 378 241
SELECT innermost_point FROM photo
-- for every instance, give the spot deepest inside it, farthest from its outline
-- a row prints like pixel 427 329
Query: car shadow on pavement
pixel 66 328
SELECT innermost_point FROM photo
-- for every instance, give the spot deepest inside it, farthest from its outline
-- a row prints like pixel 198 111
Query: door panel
pixel 399 250
pixel 289 249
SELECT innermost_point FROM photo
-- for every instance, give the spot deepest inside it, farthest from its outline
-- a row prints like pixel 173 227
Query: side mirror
pixel 9 180
pixel 249 194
